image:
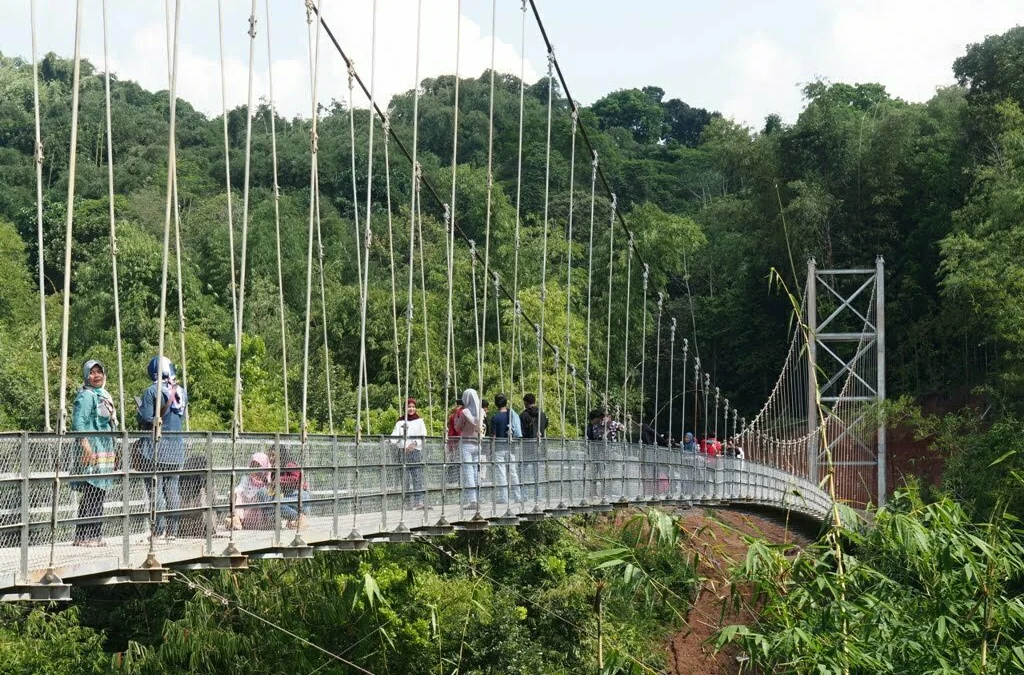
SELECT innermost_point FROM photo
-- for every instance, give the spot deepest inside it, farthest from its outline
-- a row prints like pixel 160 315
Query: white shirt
pixel 417 432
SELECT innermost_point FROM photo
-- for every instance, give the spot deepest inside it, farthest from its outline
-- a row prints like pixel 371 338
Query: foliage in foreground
pixel 509 600
pixel 923 590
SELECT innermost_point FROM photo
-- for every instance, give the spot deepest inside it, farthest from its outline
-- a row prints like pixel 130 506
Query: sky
pixel 743 58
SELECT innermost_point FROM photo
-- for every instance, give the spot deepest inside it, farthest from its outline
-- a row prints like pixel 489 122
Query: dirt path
pixel 717 538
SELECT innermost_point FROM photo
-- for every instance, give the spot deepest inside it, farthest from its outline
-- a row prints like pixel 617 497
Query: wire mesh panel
pixel 258 491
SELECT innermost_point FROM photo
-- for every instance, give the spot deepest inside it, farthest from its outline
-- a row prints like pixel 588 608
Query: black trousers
pixel 90 505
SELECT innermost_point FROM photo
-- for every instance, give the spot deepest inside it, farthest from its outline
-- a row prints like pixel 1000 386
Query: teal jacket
pixel 92 414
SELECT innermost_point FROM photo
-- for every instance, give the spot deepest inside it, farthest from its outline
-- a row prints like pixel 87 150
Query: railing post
pixel 880 373
pixel 211 496
pixel 335 533
pixel 277 488
pixel 126 495
pixel 812 366
pixel 26 504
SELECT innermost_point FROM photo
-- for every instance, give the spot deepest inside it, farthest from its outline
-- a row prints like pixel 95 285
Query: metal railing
pixel 326 492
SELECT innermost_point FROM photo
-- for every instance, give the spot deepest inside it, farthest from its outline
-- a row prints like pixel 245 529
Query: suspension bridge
pixel 815 441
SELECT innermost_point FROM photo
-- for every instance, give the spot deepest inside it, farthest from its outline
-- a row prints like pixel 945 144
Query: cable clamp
pixel 686 345
pixel 252 26
pixel 310 9
pixel 39 152
pixel 523 5
pixel 351 76
pixel 447 214
pixel 314 140
pixel 519 308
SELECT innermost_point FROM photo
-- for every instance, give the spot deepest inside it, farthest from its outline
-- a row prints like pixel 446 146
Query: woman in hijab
pixel 468 424
pixel 93 411
pixel 249 487
pixel 409 433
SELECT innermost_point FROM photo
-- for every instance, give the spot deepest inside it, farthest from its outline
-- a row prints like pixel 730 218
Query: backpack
pixel 148 426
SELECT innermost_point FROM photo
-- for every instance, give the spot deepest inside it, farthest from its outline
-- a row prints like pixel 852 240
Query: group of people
pixel 471 421
pixel 269 483
pixel 256 495
pixel 95 456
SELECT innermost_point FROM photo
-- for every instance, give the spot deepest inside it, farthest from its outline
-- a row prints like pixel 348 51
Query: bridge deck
pixel 350 487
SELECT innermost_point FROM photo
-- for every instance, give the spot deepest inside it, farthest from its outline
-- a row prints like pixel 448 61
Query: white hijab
pixel 471 406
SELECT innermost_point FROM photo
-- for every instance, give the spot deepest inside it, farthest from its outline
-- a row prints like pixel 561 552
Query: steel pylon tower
pixel 853 294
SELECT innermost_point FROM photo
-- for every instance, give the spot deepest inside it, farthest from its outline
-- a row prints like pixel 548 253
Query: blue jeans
pixel 470 471
pixel 167 498
pixel 290 504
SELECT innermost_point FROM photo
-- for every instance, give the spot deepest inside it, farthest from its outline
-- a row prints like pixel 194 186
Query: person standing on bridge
pixel 535 426
pixel 505 426
pixel 469 425
pixel 93 411
pixel 167 455
pixel 409 433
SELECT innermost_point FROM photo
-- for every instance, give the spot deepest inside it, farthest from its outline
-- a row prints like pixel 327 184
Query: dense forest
pixel 937 188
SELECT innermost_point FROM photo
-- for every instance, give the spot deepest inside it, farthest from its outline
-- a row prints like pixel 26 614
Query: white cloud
pixel 144 57
pixel 763 77
pixel 910 45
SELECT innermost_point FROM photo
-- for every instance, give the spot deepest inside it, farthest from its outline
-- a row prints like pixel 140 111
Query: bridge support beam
pixel 880 374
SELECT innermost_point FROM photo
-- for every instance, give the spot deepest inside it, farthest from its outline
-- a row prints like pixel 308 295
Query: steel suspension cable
pixel 181 288
pixel 643 352
pixel 568 272
pixel 657 363
pixel 497 323
pixel 686 356
pixel 168 211
pixel 227 174
pixel 423 295
pixel 519 195
pixel 544 249
pixel 434 194
pixel 625 349
pixel 113 226
pixel 671 376
pixel 364 290
pixel 69 222
pixel 391 256
pixel 416 174
pixel 65 324
pixel 590 274
pixel 355 203
pixel 608 330
pixel 450 212
pixel 245 219
pixel 323 304
pixel 314 66
pixel 277 220
pixel 44 353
